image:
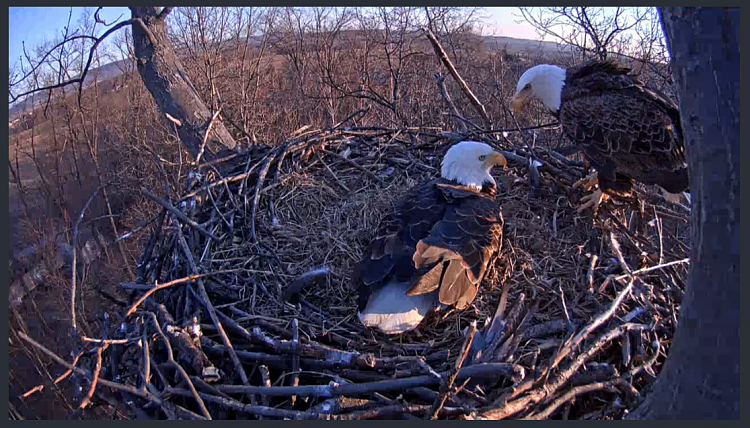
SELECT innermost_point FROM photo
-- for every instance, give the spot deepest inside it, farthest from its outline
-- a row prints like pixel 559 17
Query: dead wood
pixel 254 322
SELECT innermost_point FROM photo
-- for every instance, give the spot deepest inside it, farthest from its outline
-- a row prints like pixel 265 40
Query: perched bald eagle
pixel 436 246
pixel 626 130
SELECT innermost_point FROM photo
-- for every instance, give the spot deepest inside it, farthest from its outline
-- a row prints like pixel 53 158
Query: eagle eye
pixel 483 157
pixel 527 87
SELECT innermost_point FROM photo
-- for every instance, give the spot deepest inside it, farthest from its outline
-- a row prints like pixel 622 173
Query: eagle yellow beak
pixel 519 101
pixel 497 159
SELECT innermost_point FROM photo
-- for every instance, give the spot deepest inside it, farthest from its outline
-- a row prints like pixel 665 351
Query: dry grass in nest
pixel 567 323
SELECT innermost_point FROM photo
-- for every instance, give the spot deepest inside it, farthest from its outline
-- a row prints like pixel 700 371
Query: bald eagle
pixel 625 129
pixel 435 247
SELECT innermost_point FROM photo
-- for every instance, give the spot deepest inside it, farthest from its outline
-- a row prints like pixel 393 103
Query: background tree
pixel 701 376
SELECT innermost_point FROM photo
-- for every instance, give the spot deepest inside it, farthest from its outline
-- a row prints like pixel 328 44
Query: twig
pixel 75 263
pixel 620 258
pixel 571 326
pixel 295 358
pixel 178 367
pixel 156 287
pixel 333 174
pixel 447 385
pixel 56 381
pixel 449 65
pixel 205 138
pixel 179 215
pixel 256 196
pixel 590 273
pixel 355 165
pixel 114 385
pixel 210 308
pixel 446 96
pixel 652 268
pixel 572 393
pixel 596 322
pixel 97 369
pixel 351 116
pixel 332 390
pixel 647 365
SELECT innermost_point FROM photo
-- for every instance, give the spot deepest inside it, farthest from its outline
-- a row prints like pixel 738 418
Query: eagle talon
pixel 587 182
pixel 593 201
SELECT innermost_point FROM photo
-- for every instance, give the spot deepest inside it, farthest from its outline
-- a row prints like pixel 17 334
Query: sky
pixel 35 25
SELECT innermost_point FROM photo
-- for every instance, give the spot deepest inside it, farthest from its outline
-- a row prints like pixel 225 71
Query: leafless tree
pixel 590 30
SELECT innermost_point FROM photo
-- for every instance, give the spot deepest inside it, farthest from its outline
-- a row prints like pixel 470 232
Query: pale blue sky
pixel 35 25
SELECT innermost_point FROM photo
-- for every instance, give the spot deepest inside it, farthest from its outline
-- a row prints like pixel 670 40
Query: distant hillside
pixel 114 69
pixel 514 45
pixel 100 74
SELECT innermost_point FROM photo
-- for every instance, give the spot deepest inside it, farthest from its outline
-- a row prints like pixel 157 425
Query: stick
pixel 444 93
pixel 256 196
pixel 302 281
pixel 574 392
pixel 156 287
pixel 113 385
pixel 97 369
pixel 295 358
pixel 620 258
pixel 210 308
pixel 382 412
pixel 178 214
pixel 205 138
pixel 355 165
pixel 467 91
pixel 179 368
pixel 56 381
pixel 75 274
pixel 333 390
pixel 596 322
pixel 652 268
pixel 446 387
pixel 590 273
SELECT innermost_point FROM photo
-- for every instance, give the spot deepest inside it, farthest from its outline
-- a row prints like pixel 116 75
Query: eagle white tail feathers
pixel 393 312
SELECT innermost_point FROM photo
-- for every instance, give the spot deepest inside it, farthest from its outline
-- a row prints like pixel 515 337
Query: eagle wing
pixel 455 255
pixel 441 236
pixel 390 251
pixel 630 128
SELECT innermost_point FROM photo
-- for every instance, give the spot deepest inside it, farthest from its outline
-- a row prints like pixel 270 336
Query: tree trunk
pixel 701 376
pixel 166 80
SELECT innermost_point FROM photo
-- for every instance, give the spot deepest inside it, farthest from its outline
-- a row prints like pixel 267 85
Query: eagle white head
pixel 543 82
pixel 469 163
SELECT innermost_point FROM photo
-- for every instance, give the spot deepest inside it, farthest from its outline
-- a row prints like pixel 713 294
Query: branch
pixel 80 79
pixel 113 385
pixel 164 12
pixel 334 389
pixel 179 215
pixel 447 62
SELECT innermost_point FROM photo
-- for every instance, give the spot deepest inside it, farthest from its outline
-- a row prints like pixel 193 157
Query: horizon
pixel 35 26
pixel 30 28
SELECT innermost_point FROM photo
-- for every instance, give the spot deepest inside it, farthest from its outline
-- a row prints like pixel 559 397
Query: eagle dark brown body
pixel 627 130
pixel 438 242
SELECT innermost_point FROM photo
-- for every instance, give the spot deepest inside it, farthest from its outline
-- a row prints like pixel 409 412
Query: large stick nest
pixel 573 320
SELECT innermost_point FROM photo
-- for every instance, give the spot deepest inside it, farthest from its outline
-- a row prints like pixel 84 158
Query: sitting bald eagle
pixel 436 246
pixel 626 130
